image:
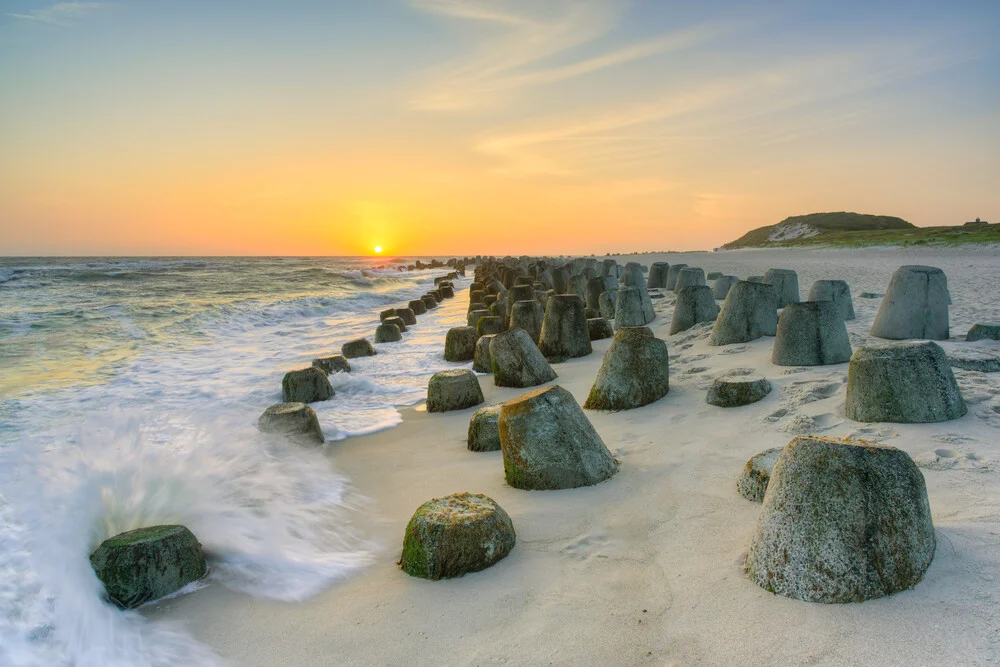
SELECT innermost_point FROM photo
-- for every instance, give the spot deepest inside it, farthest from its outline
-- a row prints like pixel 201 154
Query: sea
pixel 129 393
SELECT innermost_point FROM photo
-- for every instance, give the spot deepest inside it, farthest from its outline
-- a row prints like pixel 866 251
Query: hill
pixel 815 228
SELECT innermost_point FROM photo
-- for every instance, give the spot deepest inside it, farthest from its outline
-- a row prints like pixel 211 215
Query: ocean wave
pixel 273 519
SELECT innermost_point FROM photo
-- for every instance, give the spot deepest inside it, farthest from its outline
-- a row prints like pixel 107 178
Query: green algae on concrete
pixel 451 536
pixel 147 564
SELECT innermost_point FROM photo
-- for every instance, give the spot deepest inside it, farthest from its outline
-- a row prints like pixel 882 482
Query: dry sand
pixel 646 568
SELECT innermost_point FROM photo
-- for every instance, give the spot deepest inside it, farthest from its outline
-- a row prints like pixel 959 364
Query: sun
pixel 378 250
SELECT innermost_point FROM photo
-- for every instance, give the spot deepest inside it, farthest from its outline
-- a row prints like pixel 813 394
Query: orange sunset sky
pixel 448 126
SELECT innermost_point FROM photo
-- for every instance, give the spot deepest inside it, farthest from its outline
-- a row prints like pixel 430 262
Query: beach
pixel 647 567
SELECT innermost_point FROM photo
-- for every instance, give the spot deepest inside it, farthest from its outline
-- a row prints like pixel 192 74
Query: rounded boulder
pixel 305 386
pixel 295 420
pixel 453 389
pixel 460 344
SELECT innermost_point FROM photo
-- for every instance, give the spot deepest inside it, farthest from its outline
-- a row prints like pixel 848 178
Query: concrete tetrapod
pixel 295 420
pixel 983 332
pixel 695 304
pixel 599 328
pixel 360 347
pixel 837 291
pixel 903 383
pixel 517 362
pixel 548 443
pixel 811 333
pixel 418 306
pixel 453 389
pixel 635 372
pixel 528 315
pixel 564 328
pixel 608 302
pixel 786 285
pixel 628 308
pixel 336 363
pixel 451 536
pixel 752 483
pixel 672 274
pixel 482 361
pixel 147 564
pixel 689 276
pixel 387 333
pixel 749 312
pixel 915 305
pixel 721 286
pixel 657 278
pixel 305 386
pixel 460 344
pixel 733 391
pixel 484 432
pixel 842 521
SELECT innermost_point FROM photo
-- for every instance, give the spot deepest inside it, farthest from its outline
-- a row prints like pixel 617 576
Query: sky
pixel 433 127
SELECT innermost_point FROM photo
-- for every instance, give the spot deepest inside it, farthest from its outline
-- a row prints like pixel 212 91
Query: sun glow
pixel 378 250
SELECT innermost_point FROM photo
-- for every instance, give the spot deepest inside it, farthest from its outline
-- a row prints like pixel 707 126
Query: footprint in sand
pixel 990 414
pixel 800 423
pixel 736 349
pixel 808 391
pixel 955 438
pixel 873 433
pixel 695 370
pixel 586 547
pixel 951 459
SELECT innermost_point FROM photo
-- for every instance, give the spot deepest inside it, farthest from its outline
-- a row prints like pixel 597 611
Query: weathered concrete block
pixel 842 521
pixel 295 420
pixel 722 285
pixel 333 364
pixel 599 328
pixel 689 276
pixel 482 362
pixel 360 347
pixel 147 564
pixel 460 344
pixel 517 361
pixel 451 536
pixel 607 302
pixel 713 275
pixel 732 391
pixel 811 333
pixel 528 315
pixel 635 372
pixel 453 389
pixel 657 278
pixel 387 333
pixel 398 321
pixel 752 484
pixel 305 386
pixel 749 312
pixel 695 303
pixel 837 291
pixel 672 273
pixel 904 383
pixel 983 332
pixel 473 317
pixel 484 430
pixel 489 325
pixel 915 305
pixel 418 306
pixel 564 328
pixel 548 443
pixel 786 285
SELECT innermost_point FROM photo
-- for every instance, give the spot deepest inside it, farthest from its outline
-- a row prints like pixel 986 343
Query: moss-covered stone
pixel 305 386
pixel 564 332
pixel 387 333
pixel 147 564
pixel 842 521
pixel 731 391
pixel 473 317
pixel 296 420
pixel 430 303
pixel 451 536
pixel 484 430
pixel 407 315
pixel 489 325
pixel 752 484
pixel 418 306
pixel 983 332
pixel 482 362
pixel 599 328
pixel 460 344
pixel 528 315
pixel 398 321
pixel 360 347
pixel 336 363
pixel 454 389
pixel 635 372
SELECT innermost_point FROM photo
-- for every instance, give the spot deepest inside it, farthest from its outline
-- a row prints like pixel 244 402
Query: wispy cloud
pixel 581 143
pixel 61 13
pixel 529 32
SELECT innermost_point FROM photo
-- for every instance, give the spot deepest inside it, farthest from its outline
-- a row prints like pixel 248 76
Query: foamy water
pixel 129 396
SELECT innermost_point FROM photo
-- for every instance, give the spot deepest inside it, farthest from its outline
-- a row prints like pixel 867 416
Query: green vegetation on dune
pixel 856 229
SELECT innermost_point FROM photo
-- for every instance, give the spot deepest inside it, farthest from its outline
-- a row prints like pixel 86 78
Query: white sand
pixel 646 568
